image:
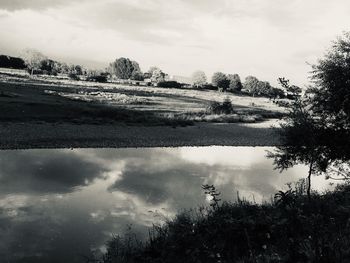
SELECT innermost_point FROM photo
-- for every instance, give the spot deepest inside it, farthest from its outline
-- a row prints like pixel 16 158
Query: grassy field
pixel 25 99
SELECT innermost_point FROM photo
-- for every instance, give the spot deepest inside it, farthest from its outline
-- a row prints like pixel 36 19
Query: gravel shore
pixel 53 135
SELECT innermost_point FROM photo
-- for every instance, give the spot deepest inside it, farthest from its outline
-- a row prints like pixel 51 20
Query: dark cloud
pixel 44 172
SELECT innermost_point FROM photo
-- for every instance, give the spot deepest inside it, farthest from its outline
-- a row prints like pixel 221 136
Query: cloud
pixel 250 37
pixel 39 173
pixel 13 5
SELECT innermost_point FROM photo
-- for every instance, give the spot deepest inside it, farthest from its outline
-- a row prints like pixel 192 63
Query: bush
pixel 225 107
pixel 169 84
pixel 97 78
pixel 209 87
pixel 73 76
pixel 289 229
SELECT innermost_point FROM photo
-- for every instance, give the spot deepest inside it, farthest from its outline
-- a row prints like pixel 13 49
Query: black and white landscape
pixel 174 131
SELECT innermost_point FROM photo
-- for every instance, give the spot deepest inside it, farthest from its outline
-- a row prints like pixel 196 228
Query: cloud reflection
pixel 61 204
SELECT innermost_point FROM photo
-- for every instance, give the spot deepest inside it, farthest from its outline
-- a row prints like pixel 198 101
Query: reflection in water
pixel 62 205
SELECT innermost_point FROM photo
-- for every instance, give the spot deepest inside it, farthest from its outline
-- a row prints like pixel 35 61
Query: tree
pixel 199 78
pixel 317 129
pixel 220 80
pixel 251 84
pixel 135 66
pixel 137 75
pixel 157 75
pixel 152 69
pixel 47 65
pixel 264 88
pixel 123 68
pixel 11 62
pixel 299 135
pixel 330 94
pixel 32 59
pixel 235 82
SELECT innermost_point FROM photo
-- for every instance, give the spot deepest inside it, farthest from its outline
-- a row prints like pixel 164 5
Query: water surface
pixel 63 205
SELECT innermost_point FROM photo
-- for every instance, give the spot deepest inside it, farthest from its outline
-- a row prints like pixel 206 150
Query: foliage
pixel 199 79
pixel 137 75
pixel 73 76
pixel 299 137
pixel 225 107
pixel 11 62
pixel 317 129
pixel 289 229
pixel 32 59
pixel 98 78
pixel 251 84
pixel 157 75
pixel 169 84
pixel 330 97
pixel 209 87
pixel 211 191
pixel 235 82
pixel 220 80
pixel 123 68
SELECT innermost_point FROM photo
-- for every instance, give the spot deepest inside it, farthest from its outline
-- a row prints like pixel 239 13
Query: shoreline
pixel 65 135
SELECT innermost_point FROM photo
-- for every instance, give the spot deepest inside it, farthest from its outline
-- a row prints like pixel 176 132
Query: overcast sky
pixel 264 38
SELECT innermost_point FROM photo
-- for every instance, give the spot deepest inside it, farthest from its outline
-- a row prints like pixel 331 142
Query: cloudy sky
pixel 265 38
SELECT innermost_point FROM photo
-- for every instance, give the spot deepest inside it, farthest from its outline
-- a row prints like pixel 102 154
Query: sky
pixel 264 38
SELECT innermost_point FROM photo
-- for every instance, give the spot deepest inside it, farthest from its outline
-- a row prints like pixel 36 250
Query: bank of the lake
pixel 65 135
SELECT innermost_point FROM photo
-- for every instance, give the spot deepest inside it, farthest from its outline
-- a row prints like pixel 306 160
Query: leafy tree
pixel 264 88
pixel 136 66
pixel 199 78
pixel 251 84
pixel 299 137
pixel 152 69
pixel 32 59
pixel 330 94
pixel 123 68
pixel 157 75
pixel 47 65
pixel 78 70
pixel 317 129
pixel 235 82
pixel 220 80
pixel 137 75
pixel 11 62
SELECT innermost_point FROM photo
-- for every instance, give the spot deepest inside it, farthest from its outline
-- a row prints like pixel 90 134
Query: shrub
pixel 220 108
pixel 169 84
pixel 209 87
pixel 73 76
pixel 97 78
pixel 289 229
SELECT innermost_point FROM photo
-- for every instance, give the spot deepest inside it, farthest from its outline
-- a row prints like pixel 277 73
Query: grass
pixel 55 99
pixel 290 228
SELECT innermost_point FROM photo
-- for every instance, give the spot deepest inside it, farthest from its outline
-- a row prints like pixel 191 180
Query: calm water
pixel 62 205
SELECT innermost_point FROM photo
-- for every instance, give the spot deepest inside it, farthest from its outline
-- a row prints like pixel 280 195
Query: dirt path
pixel 45 135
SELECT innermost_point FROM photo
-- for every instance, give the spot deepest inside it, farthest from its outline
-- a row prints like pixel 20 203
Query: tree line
pixel 126 69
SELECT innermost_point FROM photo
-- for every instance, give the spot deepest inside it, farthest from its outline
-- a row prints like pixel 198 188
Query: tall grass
pixel 290 228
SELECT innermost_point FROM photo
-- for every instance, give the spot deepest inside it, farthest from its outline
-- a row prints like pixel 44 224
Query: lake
pixel 63 205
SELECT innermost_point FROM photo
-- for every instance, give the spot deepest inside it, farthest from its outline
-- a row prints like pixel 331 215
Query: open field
pixel 161 102
pixel 63 113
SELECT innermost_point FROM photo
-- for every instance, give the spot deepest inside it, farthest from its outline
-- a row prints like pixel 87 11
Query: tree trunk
pixel 309 180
